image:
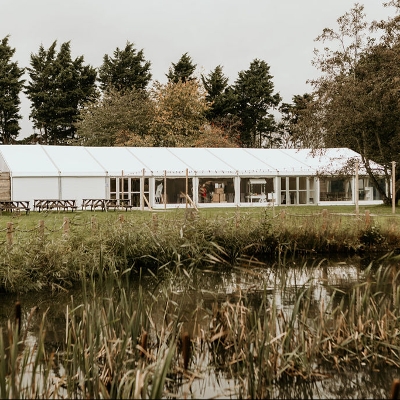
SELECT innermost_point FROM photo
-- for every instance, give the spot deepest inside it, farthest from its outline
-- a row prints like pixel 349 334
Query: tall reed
pixel 54 260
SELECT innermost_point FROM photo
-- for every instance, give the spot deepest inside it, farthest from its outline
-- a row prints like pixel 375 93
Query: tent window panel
pixel 216 190
pixel 135 199
pixel 174 190
pixel 302 197
pixel 135 185
pixel 113 188
pixel 311 185
pixel 253 190
pixel 335 189
pixel 113 185
pixel 128 188
pixel 159 191
pixel 124 188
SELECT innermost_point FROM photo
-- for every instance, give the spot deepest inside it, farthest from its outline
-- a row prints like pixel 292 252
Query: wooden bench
pixel 51 204
pixel 93 204
pixel 118 204
pixel 15 206
pixel 125 203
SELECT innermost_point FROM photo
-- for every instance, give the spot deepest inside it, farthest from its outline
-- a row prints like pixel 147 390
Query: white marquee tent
pixel 77 172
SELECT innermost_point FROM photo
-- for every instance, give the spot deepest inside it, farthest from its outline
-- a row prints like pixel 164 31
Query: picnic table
pixel 51 204
pixel 106 204
pixel 14 205
pixel 93 204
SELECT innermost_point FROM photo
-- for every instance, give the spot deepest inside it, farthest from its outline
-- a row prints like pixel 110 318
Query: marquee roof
pixel 46 160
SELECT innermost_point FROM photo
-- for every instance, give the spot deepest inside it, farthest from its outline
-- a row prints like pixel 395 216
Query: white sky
pixel 231 33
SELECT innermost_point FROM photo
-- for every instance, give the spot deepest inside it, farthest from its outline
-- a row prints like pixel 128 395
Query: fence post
pixel 93 224
pixel 367 218
pixel 10 233
pixel 237 218
pixel 324 219
pixel 66 225
pixel 41 228
pixel 155 222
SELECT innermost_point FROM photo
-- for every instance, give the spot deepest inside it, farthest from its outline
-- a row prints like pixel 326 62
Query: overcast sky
pixel 230 33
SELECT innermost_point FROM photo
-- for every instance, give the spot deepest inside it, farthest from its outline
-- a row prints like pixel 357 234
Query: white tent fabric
pixel 41 160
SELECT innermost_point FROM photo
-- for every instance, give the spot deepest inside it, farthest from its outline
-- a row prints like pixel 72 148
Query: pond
pixel 199 294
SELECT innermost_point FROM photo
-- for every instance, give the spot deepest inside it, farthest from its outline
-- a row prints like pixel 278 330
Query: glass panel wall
pixel 174 190
pixel 302 190
pixel 135 191
pixel 256 190
pixel 366 191
pixel 113 188
pixel 335 189
pixel 382 185
pixel 297 190
pixel 216 190
pixel 125 188
pixel 292 190
pixel 312 190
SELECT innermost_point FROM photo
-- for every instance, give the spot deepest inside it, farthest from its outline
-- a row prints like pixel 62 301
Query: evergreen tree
pixel 59 89
pixel 182 71
pixel 292 115
pixel 215 83
pixel 125 71
pixel 254 97
pixel 10 88
pixel 221 100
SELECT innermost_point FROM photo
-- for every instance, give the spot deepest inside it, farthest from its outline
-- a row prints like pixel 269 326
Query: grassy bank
pixel 52 250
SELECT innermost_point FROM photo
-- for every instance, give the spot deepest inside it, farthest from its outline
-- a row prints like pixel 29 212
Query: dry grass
pixel 51 250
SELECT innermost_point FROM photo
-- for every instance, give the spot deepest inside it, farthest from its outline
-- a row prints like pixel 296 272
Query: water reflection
pixel 330 281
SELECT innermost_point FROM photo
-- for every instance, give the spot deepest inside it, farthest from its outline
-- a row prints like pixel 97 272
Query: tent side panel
pixel 78 188
pixel 30 188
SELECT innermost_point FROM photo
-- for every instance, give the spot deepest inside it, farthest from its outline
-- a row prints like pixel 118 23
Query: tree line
pixel 119 104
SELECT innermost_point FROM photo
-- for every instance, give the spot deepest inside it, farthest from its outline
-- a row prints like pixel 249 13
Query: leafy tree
pixel 127 70
pixel 180 113
pixel 117 118
pixel 173 115
pixel 182 71
pixel 214 136
pixel 59 89
pixel 356 100
pixel 253 92
pixel 10 88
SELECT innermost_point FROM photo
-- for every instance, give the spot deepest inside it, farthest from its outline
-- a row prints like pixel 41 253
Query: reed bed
pixel 119 345
pixel 63 249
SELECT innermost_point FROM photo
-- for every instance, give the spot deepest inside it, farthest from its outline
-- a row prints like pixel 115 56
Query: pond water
pixel 331 279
